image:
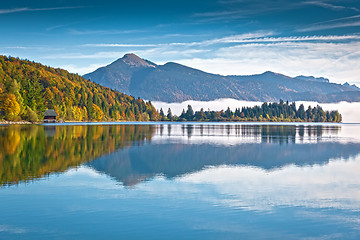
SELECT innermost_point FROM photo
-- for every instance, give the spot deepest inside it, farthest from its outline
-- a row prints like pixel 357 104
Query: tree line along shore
pixel 267 112
pixel 27 89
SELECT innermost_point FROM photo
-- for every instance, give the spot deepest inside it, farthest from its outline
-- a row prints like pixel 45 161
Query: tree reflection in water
pixel 133 153
pixel 29 152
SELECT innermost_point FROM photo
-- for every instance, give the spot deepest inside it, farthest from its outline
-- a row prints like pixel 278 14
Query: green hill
pixel 27 89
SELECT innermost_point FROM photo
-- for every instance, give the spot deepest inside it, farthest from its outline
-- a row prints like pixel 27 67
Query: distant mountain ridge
pixel 312 78
pixel 173 82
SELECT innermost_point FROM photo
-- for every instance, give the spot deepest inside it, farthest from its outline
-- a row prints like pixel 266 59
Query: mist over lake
pixel 262 141
pixel 349 111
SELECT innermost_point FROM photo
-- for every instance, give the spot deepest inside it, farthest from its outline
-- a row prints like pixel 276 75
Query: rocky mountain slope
pixel 174 82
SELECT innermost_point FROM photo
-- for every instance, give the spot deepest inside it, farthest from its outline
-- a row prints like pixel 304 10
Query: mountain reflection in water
pixel 134 153
pixel 180 181
pixel 178 150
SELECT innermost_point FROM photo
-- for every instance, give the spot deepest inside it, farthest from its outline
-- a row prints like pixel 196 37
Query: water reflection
pixel 28 152
pixel 334 185
pixel 268 133
pixel 191 148
pixel 134 153
pixel 174 181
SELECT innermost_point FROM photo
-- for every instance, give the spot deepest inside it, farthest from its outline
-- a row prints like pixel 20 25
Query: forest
pixel 267 112
pixel 27 89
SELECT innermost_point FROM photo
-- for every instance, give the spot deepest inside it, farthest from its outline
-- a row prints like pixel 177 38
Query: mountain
pixel 174 82
pixel 351 86
pixel 27 89
pixel 118 74
pixel 312 78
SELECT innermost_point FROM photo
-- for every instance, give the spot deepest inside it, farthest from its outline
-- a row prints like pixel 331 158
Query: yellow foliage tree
pixel 118 116
pixel 85 113
pixel 48 95
pixel 13 140
pixel 78 115
pixel 10 106
pixel 98 114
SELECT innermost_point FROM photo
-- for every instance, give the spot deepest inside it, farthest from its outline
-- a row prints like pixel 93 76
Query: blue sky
pixel 320 38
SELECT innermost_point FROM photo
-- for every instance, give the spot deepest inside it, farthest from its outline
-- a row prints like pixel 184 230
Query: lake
pixel 180 181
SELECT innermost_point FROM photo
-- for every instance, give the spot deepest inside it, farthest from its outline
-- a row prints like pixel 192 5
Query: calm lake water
pixel 171 181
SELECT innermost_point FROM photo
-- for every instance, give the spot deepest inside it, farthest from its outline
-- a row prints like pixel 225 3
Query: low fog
pixel 350 111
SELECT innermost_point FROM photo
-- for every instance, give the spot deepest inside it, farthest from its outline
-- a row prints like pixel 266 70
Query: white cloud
pixel 229 39
pixel 301 39
pixel 237 38
pixel 256 189
pixel 329 26
pixel 233 10
pixel 350 21
pixel 85 56
pixel 333 56
pixel 103 32
pixel 241 38
pixel 330 6
pixel 81 70
pixel 119 45
pixel 336 61
pixel 16 47
pixel 26 9
pixel 339 19
pixel 12 229
pixel 349 111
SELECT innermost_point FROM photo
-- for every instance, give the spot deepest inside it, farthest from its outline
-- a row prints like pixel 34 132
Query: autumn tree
pixel 37 88
pixel 9 106
pixel 97 114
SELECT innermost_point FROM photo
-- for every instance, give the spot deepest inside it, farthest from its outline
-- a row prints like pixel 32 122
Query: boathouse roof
pixel 50 113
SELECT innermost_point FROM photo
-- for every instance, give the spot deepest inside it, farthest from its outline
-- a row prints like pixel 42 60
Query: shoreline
pixel 9 123
pixel 17 123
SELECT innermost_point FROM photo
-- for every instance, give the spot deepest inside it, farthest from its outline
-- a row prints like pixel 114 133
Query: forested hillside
pixel 27 89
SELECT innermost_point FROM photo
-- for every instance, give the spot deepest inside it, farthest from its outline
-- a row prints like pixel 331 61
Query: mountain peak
pixel 269 72
pixel 131 56
pixel 353 87
pixel 173 82
pixel 269 75
pixel 134 60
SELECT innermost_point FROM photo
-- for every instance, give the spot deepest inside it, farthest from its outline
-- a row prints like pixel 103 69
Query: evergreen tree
pixel 37 87
pixel 169 115
pixel 162 115
pixel 189 113
pixel 301 112
pixel 266 112
pixel 182 116
pixel 228 113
